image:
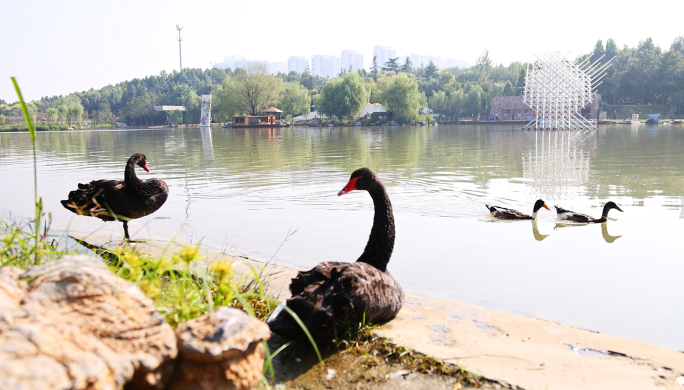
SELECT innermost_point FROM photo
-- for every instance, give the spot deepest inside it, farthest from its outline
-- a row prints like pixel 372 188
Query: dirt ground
pixel 369 363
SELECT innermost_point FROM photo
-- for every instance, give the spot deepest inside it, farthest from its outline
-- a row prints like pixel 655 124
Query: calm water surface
pixel 244 190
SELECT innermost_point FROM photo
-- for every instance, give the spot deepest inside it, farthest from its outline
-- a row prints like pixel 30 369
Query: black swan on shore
pixel 121 200
pixel 333 296
pixel 504 213
pixel 577 217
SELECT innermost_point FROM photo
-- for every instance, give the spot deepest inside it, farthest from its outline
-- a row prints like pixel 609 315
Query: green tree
pixel 598 52
pixel 256 91
pixel 225 105
pixel 391 65
pixel 408 66
pixel 52 114
pixel 678 45
pixel 192 103
pixel 401 97
pixel 670 74
pixel 646 66
pixel 484 63
pixel 294 99
pixel 176 117
pixel 374 69
pixel 508 89
pixel 343 97
pixel 521 79
pixel 431 70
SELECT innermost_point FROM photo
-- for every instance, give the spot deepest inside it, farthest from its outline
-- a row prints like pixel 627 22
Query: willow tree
pixel 256 90
pixel 343 97
pixel 294 99
pixel 401 97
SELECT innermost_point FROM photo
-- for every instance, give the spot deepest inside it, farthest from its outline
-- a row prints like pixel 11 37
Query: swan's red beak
pixel 351 186
pixel 145 167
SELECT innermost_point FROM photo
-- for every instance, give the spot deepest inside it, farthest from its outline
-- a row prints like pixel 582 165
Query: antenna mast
pixel 179 28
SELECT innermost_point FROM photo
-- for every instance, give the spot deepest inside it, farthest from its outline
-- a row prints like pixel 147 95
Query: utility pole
pixel 179 28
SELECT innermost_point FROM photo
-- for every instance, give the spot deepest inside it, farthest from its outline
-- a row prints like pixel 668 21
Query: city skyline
pixel 329 66
pixel 76 45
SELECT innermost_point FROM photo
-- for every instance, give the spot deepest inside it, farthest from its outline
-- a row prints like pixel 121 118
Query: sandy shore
pixel 527 352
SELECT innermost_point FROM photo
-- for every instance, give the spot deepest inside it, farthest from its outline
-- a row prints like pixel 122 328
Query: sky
pixel 60 47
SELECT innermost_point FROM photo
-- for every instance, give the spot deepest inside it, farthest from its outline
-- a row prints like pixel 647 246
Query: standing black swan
pixel 504 213
pixel 332 296
pixel 121 200
pixel 577 217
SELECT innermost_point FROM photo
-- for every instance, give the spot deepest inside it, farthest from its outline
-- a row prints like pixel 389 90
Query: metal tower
pixel 179 28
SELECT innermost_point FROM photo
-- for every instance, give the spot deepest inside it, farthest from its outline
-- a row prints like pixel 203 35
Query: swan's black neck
pixel 132 182
pixel 381 241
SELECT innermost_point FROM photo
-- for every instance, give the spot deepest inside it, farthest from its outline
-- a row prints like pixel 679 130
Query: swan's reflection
pixel 535 231
pixel 207 143
pixel 604 230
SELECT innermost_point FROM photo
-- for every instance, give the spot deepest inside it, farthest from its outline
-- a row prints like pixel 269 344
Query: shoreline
pixel 528 352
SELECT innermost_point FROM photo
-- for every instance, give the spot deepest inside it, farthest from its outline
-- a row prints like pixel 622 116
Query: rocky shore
pixel 72 324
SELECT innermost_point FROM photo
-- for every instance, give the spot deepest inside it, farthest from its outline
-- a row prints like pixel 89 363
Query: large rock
pixel 221 350
pixel 73 324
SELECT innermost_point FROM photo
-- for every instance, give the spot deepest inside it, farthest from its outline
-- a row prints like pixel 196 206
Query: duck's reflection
pixel 537 236
pixel 607 237
pixel 604 230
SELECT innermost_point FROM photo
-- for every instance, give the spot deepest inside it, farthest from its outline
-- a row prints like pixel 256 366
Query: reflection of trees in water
pixel 559 164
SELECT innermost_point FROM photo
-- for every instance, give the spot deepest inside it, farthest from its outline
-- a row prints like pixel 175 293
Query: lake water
pixel 242 191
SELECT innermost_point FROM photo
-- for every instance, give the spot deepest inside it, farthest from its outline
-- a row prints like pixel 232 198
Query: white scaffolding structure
pixel 557 89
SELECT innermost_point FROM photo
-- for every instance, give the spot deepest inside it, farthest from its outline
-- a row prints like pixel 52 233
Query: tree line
pixel 645 74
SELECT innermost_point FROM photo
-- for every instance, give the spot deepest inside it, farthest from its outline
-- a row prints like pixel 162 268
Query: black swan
pixel 121 200
pixel 333 296
pixel 577 217
pixel 504 213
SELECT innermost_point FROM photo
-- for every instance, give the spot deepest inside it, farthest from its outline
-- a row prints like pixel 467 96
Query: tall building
pixel 383 54
pixel 325 66
pixel 298 64
pixel 233 62
pixel 229 62
pixel 277 67
pixel 353 59
pixel 418 59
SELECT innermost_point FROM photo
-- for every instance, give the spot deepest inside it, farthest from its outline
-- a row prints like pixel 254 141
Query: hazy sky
pixel 59 47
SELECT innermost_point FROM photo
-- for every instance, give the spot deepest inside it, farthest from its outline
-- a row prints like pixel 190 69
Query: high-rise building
pixel 419 60
pixel 351 59
pixel 233 62
pixel 383 54
pixel 298 64
pixel 229 62
pixel 277 67
pixel 325 66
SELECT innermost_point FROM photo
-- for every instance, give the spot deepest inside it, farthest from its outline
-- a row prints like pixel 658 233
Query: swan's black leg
pixel 127 238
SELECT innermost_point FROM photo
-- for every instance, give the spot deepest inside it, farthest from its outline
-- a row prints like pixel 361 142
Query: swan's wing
pixel 339 295
pixel 97 198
